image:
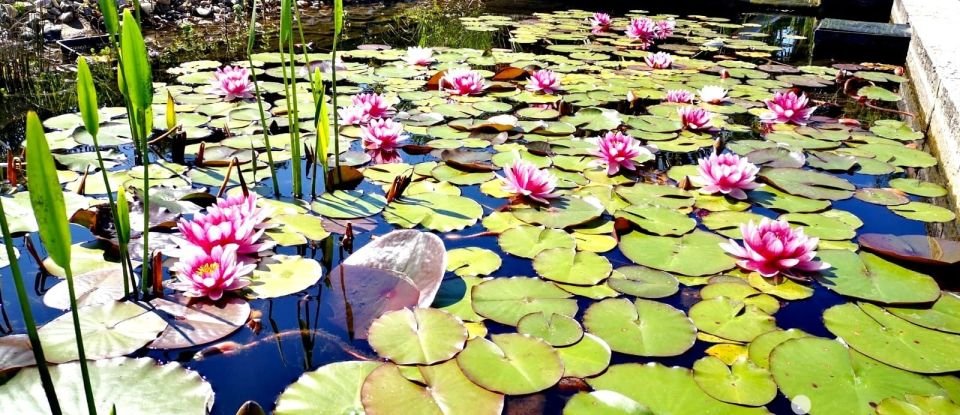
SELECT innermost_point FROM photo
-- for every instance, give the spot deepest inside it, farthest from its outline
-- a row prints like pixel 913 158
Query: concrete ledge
pixel 933 64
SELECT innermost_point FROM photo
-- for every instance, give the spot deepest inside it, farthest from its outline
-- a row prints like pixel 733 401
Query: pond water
pixel 762 53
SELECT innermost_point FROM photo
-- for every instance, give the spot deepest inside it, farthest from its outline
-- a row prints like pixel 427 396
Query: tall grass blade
pixel 46 198
pixel 111 20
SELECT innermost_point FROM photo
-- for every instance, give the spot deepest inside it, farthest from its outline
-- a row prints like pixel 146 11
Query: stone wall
pixel 933 63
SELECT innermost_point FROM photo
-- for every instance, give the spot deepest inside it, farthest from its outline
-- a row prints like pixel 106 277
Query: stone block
pixel 868 41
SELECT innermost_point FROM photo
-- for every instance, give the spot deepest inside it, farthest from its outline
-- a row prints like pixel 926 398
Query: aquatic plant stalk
pixel 28 320
pixel 46 198
pixel 337 31
pixel 290 90
pixel 256 87
pixel 89 110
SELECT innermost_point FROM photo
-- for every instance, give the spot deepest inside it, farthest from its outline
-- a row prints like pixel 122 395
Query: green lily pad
pixel 742 383
pixel 561 213
pixel 454 298
pixel 507 300
pixel 472 261
pixel 776 199
pixel 512 364
pixel 350 204
pixel 809 183
pixel 834 379
pixel 284 275
pixel 869 277
pixel 924 212
pixel 603 402
pixel 565 265
pixel 697 253
pixel 529 241
pixel 109 330
pixel 443 213
pixel 887 338
pixel 642 328
pixel 918 187
pixel 899 155
pixel 759 349
pixel 883 197
pixel 917 405
pixel 643 282
pixel 132 386
pixel 728 223
pixel 878 93
pixel 331 389
pixel 650 194
pixel 444 391
pixel 587 357
pixel 420 336
pixel 658 220
pixel 943 315
pixel 834 225
pixel 731 319
pixel 665 390
pixel 556 329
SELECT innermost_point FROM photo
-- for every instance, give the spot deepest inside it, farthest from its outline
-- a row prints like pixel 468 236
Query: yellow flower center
pixel 207 269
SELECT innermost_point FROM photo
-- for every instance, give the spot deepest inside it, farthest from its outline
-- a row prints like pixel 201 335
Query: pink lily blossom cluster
pixel 616 150
pixel 788 107
pixel 381 139
pixel 659 60
pixel 364 108
pixel 694 118
pixel 773 248
pixel 524 180
pixel 728 174
pixel 219 248
pixel 644 30
pixel 463 81
pixel 545 81
pixel 600 23
pixel 712 94
pixel 419 56
pixel 232 83
pixel 679 96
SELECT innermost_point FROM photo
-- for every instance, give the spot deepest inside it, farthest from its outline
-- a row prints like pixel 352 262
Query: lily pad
pixel 869 277
pixel 330 390
pixel 603 402
pixel 658 220
pixel 284 275
pixel 529 241
pixel 924 212
pixel 697 253
pixel 742 383
pixel 731 319
pixel 421 336
pixel 809 183
pixel 562 212
pixel 914 248
pixel 445 391
pixel 943 315
pixel 472 261
pixel 642 328
pixel 108 330
pixel 587 357
pixel 198 322
pixel 507 300
pixel 565 265
pixel 418 256
pixel 443 213
pixel 918 187
pixel 643 282
pixel 556 329
pixel 349 204
pixel 512 364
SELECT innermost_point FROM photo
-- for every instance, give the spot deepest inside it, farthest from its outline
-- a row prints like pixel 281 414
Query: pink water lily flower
pixel 773 248
pixel 239 207
pixel 221 228
pixel 659 60
pixel 617 150
pixel 383 135
pixel 679 96
pixel 353 115
pixel 373 105
pixel 694 118
pixel 643 31
pixel 787 107
pixel 419 56
pixel 664 29
pixel 728 174
pixel 210 274
pixel 232 82
pixel 524 180
pixel 463 82
pixel 545 81
pixel 600 22
pixel 713 94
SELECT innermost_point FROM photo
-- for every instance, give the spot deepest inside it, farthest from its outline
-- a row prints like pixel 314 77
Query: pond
pixel 578 200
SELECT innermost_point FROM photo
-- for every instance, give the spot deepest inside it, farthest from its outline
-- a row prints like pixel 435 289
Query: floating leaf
pixel 349 204
pixel 696 253
pixel 418 256
pixel 924 212
pixel 529 241
pixel 421 336
pixel 914 248
pixel 808 183
pixel 284 275
pixel 587 357
pixel 918 187
pixel 555 329
pixel 743 383
pixel 472 261
pixel 198 322
pixel 444 391
pixel 108 330
pixel 869 277
pixel 443 213
pixel 511 364
pixel 760 348
pixel 331 389
pixel 943 315
pixel 567 266
pixel 642 328
pixel 507 300
pixel 561 213
pixel 731 319
pixel 658 220
pixel 643 282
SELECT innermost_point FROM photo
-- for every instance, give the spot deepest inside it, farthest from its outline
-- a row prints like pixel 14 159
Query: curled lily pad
pixel 512 364
pixel 507 300
pixel 421 336
pixel 914 248
pixel 198 322
pixel 642 328
pixel 15 352
pixel 694 254
pixel 108 330
pixel 665 390
pixel 838 380
pixel 331 389
pixel 445 391
pixel 132 386
pixel 875 332
pixel 869 277
pixel 418 256
pixel 565 265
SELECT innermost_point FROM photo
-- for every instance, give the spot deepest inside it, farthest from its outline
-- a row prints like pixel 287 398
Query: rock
pixel 203 11
pixel 42 3
pixel 163 2
pixel 65 17
pixel 27 33
pixel 147 7
pixel 52 32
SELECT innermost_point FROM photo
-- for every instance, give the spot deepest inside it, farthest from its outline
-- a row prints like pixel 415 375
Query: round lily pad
pixel 742 383
pixel 642 328
pixel 132 386
pixel 331 389
pixel 869 277
pixel 697 253
pixel 421 336
pixel 556 329
pixel 445 391
pixel 561 213
pixel 285 275
pixel 350 204
pixel 472 261
pixel 759 349
pixel 873 331
pixel 658 220
pixel 512 364
pixel 507 300
pixel 529 241
pixel 924 212
pixel 603 402
pixel 587 357
pixel 108 330
pixel 837 380
pixel 808 183
pixel 568 266
pixel 643 282
pixel 443 213
pixel 731 319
